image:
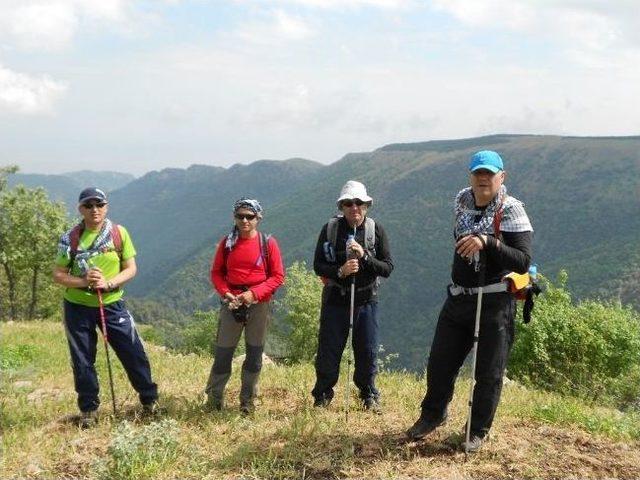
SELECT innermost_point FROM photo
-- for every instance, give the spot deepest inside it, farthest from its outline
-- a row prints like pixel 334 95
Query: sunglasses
pixel 245 216
pixel 90 206
pixel 350 203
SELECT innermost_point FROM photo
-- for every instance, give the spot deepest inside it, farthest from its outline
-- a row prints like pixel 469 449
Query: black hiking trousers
pixel 453 340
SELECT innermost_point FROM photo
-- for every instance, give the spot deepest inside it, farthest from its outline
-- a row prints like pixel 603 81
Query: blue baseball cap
pixel 92 193
pixel 486 159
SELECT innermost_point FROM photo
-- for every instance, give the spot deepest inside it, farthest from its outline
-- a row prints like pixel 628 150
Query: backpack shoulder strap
pixel 116 238
pixel 332 230
pixel 74 236
pixel 497 220
pixel 264 250
pixel 370 234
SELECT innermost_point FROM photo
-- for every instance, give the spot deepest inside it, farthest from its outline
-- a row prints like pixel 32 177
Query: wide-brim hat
pixel 353 190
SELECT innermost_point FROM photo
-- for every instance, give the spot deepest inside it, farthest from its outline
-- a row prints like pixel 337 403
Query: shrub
pixel 300 309
pixel 590 349
pixel 140 454
pixel 16 356
pixel 198 335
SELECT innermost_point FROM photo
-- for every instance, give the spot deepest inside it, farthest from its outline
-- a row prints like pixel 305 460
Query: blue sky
pixel 136 86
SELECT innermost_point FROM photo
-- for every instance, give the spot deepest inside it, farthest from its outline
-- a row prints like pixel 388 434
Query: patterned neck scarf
pixel 101 243
pixel 514 217
pixel 466 213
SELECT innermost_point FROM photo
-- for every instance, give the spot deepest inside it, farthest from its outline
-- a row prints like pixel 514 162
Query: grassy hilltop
pixel 536 434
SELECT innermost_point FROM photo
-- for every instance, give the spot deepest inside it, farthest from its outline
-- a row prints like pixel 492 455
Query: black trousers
pixel 452 342
pixel 332 340
pixel 81 325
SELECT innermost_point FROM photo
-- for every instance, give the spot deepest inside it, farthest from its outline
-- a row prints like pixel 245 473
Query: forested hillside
pixel 581 194
pixel 176 215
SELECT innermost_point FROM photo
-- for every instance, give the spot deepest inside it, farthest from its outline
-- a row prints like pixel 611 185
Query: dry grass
pixel 287 437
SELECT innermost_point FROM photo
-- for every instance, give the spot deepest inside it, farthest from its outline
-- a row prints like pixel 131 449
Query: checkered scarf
pixel 514 217
pixel 102 241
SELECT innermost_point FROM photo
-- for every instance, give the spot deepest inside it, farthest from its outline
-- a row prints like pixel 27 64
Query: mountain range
pixel 581 193
pixel 65 187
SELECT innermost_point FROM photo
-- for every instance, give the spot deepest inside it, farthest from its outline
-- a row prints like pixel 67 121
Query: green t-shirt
pixel 108 262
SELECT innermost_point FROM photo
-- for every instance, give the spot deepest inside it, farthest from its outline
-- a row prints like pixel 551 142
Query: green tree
pixel 590 349
pixel 300 310
pixel 30 225
pixel 4 173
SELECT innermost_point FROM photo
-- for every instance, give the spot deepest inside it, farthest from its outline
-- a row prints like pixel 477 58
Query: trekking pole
pixel 106 348
pixel 474 356
pixel 347 390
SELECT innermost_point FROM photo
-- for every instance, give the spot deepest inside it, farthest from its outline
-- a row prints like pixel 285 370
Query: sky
pixel 141 85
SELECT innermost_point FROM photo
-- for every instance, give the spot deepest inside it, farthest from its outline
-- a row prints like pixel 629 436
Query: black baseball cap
pixel 92 193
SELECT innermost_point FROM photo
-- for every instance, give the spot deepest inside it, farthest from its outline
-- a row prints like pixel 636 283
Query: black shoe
pixel 247 407
pixel 475 442
pixel 372 405
pixel 152 409
pixel 423 427
pixel 322 402
pixel 88 419
pixel 214 403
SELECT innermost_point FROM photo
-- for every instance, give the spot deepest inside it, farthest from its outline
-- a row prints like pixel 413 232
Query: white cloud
pixel 52 25
pixel 583 29
pixel 28 95
pixel 291 27
pixel 278 26
pixel 344 4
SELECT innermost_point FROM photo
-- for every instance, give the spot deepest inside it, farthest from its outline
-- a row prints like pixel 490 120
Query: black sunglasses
pixel 90 206
pixel 245 216
pixel 350 203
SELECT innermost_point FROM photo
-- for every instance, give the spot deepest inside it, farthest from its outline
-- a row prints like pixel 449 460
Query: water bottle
pixel 533 272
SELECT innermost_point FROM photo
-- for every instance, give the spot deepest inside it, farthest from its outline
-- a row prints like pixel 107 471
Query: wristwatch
pixel 109 286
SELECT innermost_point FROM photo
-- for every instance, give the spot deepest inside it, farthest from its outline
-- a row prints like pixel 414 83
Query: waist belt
pixel 343 290
pixel 456 290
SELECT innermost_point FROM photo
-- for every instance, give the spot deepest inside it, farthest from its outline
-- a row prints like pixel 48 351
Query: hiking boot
pixel 423 427
pixel 475 442
pixel 214 403
pixel 322 402
pixel 88 419
pixel 151 409
pixel 372 405
pixel 247 407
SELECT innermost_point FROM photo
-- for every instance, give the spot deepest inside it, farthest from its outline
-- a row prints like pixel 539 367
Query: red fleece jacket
pixel 244 266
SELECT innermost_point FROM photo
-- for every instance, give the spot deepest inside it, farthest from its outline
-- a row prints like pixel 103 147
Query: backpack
pixel 332 237
pixel 329 248
pixel 77 232
pixel 264 251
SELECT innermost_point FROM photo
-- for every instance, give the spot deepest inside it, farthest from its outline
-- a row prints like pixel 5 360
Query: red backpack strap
pixel 497 219
pixel 116 238
pixel 74 237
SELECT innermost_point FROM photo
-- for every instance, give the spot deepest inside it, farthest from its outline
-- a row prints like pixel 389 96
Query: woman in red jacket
pixel 247 269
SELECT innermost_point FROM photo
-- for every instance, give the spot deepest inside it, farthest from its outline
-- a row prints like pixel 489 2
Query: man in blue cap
pixel 98 256
pixel 492 236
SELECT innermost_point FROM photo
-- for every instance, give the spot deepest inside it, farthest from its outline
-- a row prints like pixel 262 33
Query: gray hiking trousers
pixel 228 336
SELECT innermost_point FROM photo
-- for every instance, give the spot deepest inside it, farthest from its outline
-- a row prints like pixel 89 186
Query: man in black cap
pixel 98 256
pixel 492 237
